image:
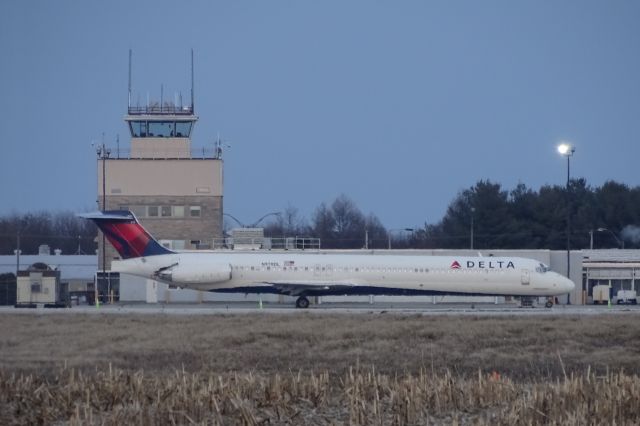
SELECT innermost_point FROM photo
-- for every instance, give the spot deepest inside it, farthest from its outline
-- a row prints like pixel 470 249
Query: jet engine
pixel 195 273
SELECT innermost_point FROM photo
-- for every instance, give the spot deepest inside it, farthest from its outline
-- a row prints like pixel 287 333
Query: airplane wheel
pixel 549 304
pixel 302 302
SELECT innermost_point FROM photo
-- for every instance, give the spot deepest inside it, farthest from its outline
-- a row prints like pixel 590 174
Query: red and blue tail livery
pixel 125 234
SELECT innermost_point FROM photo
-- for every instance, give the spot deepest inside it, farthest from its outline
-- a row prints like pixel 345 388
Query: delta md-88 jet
pixel 317 274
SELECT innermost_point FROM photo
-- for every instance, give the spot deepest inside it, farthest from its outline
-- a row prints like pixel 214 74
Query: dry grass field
pixel 319 369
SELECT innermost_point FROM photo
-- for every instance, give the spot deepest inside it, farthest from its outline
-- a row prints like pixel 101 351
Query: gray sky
pixel 397 104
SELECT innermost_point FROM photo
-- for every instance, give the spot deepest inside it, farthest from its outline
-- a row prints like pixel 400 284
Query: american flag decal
pixel 289 263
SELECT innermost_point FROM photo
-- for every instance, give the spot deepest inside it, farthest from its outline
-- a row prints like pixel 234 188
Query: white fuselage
pixel 303 273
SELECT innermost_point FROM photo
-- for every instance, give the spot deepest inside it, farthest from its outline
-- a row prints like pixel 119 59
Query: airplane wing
pixel 313 287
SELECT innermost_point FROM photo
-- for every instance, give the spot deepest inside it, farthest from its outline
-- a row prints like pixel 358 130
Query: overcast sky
pixel 397 104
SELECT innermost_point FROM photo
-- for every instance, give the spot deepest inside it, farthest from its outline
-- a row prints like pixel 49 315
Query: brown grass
pixel 302 368
pixel 520 347
pixel 359 397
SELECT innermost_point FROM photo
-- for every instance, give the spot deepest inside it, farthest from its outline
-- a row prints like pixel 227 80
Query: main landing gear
pixel 528 302
pixel 302 302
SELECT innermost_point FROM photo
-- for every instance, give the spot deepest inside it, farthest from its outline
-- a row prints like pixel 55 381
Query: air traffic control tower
pixel 176 193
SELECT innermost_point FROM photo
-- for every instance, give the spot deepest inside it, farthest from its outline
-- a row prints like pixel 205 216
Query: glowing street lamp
pixel 567 150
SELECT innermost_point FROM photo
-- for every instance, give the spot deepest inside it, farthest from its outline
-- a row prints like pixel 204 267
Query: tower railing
pixel 155 109
pixel 168 153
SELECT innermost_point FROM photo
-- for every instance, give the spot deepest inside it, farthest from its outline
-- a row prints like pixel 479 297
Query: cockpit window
pixel 542 268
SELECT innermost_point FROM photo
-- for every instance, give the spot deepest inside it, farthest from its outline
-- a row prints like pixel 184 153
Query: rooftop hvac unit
pixel 247 238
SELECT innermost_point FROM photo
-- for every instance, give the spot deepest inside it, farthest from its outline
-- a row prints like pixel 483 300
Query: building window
pixel 183 129
pixel 139 211
pixel 138 129
pixel 162 211
pixel 178 211
pixel 161 129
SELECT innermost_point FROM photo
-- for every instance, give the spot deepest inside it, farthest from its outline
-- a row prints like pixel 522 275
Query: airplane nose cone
pixel 568 285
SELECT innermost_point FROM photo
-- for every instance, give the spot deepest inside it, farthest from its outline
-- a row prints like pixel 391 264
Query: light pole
pixel 103 154
pixel 236 220
pixel 18 251
pixel 393 230
pixel 567 150
pixel 254 224
pixel 257 222
pixel 473 210
pixel 620 242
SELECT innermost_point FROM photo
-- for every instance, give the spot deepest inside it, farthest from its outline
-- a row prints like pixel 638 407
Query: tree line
pixel 61 230
pixel 607 216
pixel 520 218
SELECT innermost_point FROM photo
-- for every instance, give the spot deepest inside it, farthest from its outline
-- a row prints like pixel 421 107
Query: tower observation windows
pixel 183 129
pixel 160 129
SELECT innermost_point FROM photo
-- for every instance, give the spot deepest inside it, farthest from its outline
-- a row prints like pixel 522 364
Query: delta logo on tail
pixel 485 264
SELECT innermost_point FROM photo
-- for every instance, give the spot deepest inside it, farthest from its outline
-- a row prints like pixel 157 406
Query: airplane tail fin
pixel 126 235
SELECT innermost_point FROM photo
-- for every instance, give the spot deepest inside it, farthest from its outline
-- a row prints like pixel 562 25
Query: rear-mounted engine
pixel 195 273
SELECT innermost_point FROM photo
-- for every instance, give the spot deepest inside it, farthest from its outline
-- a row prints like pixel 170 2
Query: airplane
pixel 320 274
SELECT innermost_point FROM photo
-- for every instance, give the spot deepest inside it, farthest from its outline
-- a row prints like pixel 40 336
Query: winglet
pixel 125 234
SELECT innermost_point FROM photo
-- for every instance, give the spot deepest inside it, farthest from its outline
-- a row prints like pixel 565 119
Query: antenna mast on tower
pixel 192 105
pixel 129 102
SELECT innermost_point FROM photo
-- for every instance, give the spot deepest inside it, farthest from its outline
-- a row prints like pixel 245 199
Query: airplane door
pixel 317 270
pixel 329 270
pixel 526 278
